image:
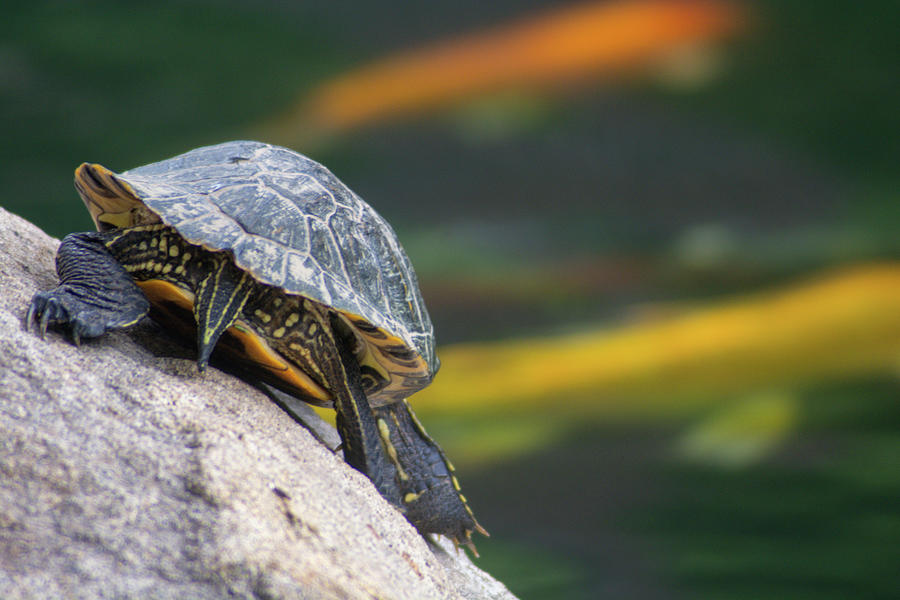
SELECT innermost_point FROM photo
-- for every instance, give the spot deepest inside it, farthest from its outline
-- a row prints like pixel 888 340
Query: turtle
pixel 263 254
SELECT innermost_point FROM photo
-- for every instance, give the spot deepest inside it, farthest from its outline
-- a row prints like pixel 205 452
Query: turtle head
pixel 113 204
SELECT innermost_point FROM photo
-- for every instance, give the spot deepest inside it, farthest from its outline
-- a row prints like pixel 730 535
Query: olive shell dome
pixel 292 224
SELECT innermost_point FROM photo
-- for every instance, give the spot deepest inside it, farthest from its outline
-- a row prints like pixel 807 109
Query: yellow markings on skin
pixel 154 242
pixel 279 332
pixel 385 435
pixel 239 296
pixel 179 270
pixel 383 431
pixel 142 246
pixel 453 479
pixel 308 364
pixel 167 268
pixel 288 371
pixel 208 330
pixel 173 251
pixel 277 302
pixel 162 245
pixel 216 286
pixel 109 243
pixel 292 318
pixel 313 328
pixel 396 421
pixel 410 497
pixel 186 257
pixel 265 318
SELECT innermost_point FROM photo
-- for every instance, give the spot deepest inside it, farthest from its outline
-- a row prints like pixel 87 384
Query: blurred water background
pixel 659 241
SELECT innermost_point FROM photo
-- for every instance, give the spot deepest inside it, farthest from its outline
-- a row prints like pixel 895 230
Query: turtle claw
pixel 468 543
pixel 42 327
pixel 63 309
pixel 467 540
pixel 43 311
pixel 29 317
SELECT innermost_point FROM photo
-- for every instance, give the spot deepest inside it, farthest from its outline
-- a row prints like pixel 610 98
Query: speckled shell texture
pixel 292 224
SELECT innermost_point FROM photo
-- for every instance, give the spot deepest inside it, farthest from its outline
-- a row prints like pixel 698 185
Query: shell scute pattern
pixel 394 278
pixel 258 208
pixel 263 257
pixel 359 254
pixel 210 163
pixel 324 247
pixel 291 223
pixel 314 199
pixel 301 270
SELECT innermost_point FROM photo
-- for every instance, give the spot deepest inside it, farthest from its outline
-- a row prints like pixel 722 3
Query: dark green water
pixel 784 163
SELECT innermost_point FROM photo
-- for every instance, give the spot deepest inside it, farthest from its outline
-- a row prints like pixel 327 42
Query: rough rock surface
pixel 127 474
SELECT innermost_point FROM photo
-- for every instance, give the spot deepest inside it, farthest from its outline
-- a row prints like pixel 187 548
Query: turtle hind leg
pixel 95 293
pixel 431 496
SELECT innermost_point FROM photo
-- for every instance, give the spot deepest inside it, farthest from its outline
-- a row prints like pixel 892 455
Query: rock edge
pixel 128 474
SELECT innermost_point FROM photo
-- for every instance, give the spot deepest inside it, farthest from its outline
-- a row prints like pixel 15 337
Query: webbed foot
pixel 66 309
pixel 95 293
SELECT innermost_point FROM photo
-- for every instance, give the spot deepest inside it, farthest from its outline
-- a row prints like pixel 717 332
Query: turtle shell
pixel 289 222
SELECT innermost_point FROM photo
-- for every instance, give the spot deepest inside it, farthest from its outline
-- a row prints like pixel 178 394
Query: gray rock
pixel 127 474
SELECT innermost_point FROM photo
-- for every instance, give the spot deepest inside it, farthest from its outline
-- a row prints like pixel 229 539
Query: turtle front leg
pixel 95 293
pixel 430 493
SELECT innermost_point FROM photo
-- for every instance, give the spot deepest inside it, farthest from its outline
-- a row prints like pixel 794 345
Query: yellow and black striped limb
pixel 220 297
pixel 431 497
